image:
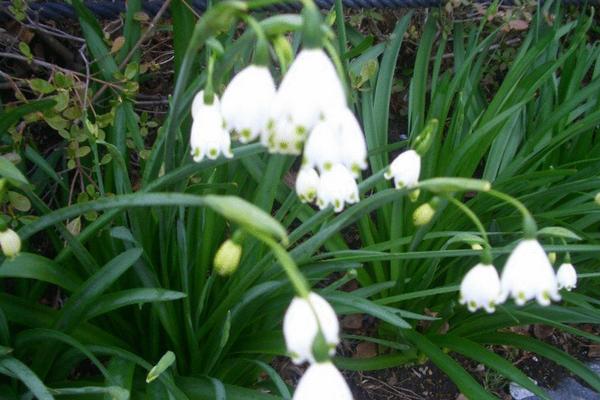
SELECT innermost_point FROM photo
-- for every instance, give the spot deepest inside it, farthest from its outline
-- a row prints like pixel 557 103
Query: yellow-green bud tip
pixel 597 198
pixel 227 258
pixel 552 257
pixel 423 214
pixel 10 243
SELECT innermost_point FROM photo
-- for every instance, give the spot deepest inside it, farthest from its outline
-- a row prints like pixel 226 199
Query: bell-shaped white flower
pixel 247 101
pixel 307 184
pixel 528 275
pixel 337 139
pixel 480 288
pixel 567 277
pixel 322 149
pixel 405 169
pixel 310 90
pixel 336 187
pixel 353 146
pixel 300 327
pixel 10 242
pixel 282 135
pixel 208 137
pixel 322 381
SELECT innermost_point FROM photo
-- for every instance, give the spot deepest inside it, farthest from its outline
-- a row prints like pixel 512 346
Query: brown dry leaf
pixel 594 351
pixel 542 331
pixel 365 350
pixel 353 321
pixel 117 44
pixel 518 24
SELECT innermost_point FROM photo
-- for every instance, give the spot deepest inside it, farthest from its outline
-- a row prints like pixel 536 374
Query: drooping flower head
pixel 567 277
pixel 10 242
pixel 208 137
pixel 247 101
pixel 300 327
pixel 227 258
pixel 528 275
pixel 480 288
pixel 405 169
pixel 307 184
pixel 309 91
pixel 337 187
pixel 337 139
pixel 322 381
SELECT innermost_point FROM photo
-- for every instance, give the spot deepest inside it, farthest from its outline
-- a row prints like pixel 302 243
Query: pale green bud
pixel 423 214
pixel 227 258
pixel 597 198
pixel 476 246
pixel 552 257
pixel 10 243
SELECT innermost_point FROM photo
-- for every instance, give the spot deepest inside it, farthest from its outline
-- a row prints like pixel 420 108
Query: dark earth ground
pixel 413 382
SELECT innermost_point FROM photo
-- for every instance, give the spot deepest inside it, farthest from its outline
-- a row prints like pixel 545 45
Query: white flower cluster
pixel 309 106
pixel 527 275
pixel 304 319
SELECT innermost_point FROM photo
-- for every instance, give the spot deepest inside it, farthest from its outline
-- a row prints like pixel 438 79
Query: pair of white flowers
pixel 311 107
pixel 304 319
pixel 243 110
pixel 527 275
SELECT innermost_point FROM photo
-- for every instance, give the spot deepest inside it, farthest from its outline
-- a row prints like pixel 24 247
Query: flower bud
pixel 566 277
pixel 10 243
pixel 552 257
pixel 597 198
pixel 227 258
pixel 423 214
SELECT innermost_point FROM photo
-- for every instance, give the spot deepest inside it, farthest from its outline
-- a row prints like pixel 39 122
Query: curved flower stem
pixel 486 255
pixel 289 265
pixel 261 55
pixel 529 225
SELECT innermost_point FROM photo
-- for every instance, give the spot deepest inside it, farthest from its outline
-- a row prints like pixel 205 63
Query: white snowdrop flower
pixel 208 137
pixel 528 275
pixel 300 327
pixel 567 277
pixel 480 288
pixel 322 381
pixel 10 243
pixel 310 90
pixel 322 149
pixel 338 139
pixel 247 101
pixel 352 143
pixel 307 184
pixel 405 169
pixel 282 136
pixel 336 187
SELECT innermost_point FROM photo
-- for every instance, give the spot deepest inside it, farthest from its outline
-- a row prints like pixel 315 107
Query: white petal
pixel 247 101
pixel 322 149
pixel 567 277
pixel 307 184
pixel 405 169
pixel 528 275
pixel 353 145
pixel 336 187
pixel 300 326
pixel 310 90
pixel 208 138
pixel 322 381
pixel 480 288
